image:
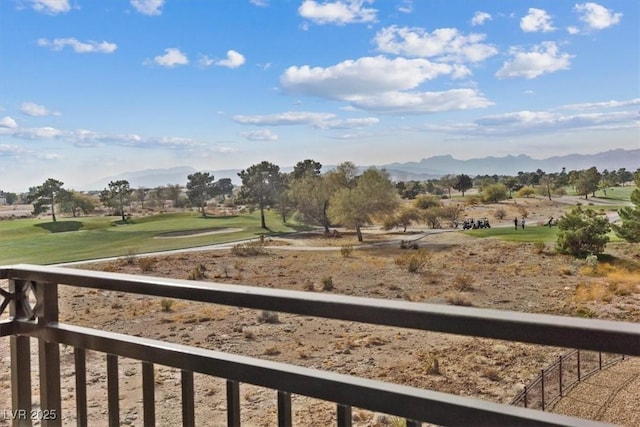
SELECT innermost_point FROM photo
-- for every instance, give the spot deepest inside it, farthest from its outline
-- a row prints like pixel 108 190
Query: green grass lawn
pixel 41 241
pixel 538 233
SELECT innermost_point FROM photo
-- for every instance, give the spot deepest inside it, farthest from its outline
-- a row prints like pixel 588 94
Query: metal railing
pixel 415 405
pixel 554 381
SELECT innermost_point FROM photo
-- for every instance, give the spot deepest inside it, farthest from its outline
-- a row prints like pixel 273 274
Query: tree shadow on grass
pixel 61 226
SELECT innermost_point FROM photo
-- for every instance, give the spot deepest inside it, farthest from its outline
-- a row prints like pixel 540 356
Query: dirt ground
pixel 457 269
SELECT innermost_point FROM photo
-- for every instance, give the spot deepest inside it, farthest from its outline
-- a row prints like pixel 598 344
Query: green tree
pixel 260 185
pixel 494 193
pixel 511 182
pixel 305 168
pixel 46 195
pixel 463 183
pixel 173 193
pixel 448 182
pixel 117 195
pixel 587 182
pixel 629 230
pixel 582 232
pixel 406 216
pixel 10 198
pixel 224 187
pixel 373 195
pixel 546 185
pixel 200 188
pixel 75 203
pixel 140 194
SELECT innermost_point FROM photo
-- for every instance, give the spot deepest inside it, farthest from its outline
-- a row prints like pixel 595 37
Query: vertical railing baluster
pixel 560 374
pixel 188 407
pixel 284 409
pixel 600 360
pixel 233 403
pixel 48 356
pixel 148 395
pixel 579 376
pixel 80 358
pixel 344 415
pixel 525 396
pixel 542 387
pixel 20 357
pixel 113 394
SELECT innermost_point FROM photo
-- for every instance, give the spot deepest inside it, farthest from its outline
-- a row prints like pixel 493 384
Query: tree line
pixel 341 196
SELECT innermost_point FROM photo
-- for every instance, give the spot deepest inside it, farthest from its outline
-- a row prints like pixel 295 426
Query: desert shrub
pixel 432 366
pixel 405 244
pixel 425 202
pixel 463 282
pixel 146 264
pixel 248 249
pixel 327 283
pixel 491 374
pixel 457 298
pixel 526 192
pixel 539 247
pixel 166 305
pixel 472 200
pixel 198 273
pixel 346 251
pixel 500 213
pixel 268 317
pixel 271 351
pixel 413 262
pixel 131 254
pixel 494 193
pixel 585 312
pixel 309 287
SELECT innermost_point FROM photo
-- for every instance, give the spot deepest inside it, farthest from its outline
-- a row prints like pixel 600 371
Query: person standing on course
pixel 515 222
pixel 522 222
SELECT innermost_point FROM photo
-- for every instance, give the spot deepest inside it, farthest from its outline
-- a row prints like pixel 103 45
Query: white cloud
pixel 260 3
pixel 602 105
pixel 536 20
pixel 260 135
pixel 540 122
pixel 339 12
pixel 8 122
pixel 51 7
pixel 171 58
pixel 406 6
pixel 16 151
pixel 32 133
pixel 544 58
pixel 37 110
pixel 148 7
pixel 288 118
pixel 348 123
pixel 597 17
pixel 573 30
pixel 233 60
pixel 78 46
pixel 479 18
pixel 444 44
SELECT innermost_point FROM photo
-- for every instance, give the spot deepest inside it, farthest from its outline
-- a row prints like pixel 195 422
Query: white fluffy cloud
pixel 600 105
pixel 543 58
pixel 382 84
pixel 260 135
pixel 444 44
pixel 339 12
pixel 284 119
pixel 51 7
pixel 233 60
pixel 171 58
pixel 148 7
pixel 8 122
pixel 78 46
pixel 536 20
pixel 597 17
pixel 260 3
pixel 479 18
pixel 36 110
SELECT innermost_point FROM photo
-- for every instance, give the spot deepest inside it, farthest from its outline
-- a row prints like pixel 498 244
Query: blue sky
pixel 94 88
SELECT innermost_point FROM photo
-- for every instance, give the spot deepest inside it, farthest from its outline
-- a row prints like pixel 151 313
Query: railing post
pixel 148 395
pixel 80 356
pixel 233 403
pixel 525 396
pixel 284 409
pixel 579 377
pixel 344 415
pixel 46 312
pixel 600 360
pixel 188 408
pixel 113 393
pixel 20 359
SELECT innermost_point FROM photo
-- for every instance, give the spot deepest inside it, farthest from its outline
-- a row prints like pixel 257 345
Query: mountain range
pixel 427 168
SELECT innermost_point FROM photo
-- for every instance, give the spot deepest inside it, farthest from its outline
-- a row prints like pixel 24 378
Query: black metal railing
pixel 415 405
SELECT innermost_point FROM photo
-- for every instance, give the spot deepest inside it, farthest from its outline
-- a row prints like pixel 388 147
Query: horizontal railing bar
pixel 403 401
pixel 7 328
pixel 562 331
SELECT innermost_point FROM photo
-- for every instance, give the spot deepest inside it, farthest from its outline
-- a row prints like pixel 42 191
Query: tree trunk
pixel 204 214
pixel 263 224
pixel 53 208
pixel 359 233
